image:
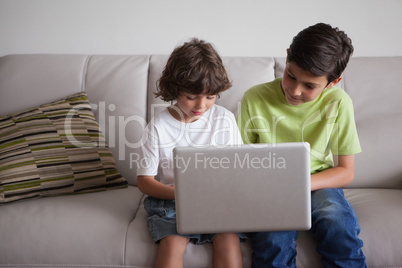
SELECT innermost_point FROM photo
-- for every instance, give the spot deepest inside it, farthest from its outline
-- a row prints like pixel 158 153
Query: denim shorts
pixel 162 222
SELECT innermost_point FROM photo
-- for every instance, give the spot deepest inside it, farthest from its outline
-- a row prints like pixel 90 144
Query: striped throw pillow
pixel 54 149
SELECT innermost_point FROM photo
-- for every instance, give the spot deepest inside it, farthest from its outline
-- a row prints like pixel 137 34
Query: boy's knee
pixel 174 243
pixel 226 238
pixel 228 242
pixel 340 221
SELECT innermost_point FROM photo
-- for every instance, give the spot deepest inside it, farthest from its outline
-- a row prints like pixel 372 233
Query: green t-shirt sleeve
pixel 253 116
pixel 245 123
pixel 345 139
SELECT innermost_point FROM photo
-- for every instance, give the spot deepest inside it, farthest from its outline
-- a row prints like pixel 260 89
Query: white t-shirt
pixel 217 127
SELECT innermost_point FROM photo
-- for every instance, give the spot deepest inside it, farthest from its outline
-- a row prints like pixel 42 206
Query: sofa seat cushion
pixel 380 217
pixel 55 148
pixel 74 230
pixel 379 212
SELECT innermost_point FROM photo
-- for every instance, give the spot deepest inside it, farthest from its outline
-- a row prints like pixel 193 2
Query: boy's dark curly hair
pixel 321 50
pixel 195 68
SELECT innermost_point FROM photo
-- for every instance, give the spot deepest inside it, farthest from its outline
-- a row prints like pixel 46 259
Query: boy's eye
pixel 211 97
pixel 291 77
pixel 312 87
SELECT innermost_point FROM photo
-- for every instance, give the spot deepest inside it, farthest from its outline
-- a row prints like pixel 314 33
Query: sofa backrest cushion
pixel 375 87
pixel 244 73
pixel 117 86
pixel 30 80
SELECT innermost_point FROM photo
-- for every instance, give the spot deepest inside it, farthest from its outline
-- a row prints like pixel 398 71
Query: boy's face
pixel 192 107
pixel 300 86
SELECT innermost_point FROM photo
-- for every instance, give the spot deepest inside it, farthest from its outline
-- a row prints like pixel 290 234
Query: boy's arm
pixel 340 175
pixel 244 124
pixel 148 185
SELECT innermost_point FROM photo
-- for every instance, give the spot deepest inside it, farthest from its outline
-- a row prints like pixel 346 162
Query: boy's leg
pixel 171 252
pixel 274 249
pixel 336 228
pixel 227 252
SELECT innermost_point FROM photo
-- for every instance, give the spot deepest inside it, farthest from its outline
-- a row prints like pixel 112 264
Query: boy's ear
pixel 333 83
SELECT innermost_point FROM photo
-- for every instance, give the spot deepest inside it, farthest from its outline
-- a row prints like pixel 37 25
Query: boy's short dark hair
pixel 321 50
pixel 195 68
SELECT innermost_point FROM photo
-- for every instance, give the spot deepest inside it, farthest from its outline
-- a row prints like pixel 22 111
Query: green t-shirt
pixel 327 122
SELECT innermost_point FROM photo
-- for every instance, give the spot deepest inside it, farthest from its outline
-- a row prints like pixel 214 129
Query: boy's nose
pixel 200 103
pixel 296 91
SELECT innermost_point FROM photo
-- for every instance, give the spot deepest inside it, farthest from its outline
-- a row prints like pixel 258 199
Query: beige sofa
pixel 109 229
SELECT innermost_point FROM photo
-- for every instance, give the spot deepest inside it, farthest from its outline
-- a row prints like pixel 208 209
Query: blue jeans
pixel 162 222
pixel 335 227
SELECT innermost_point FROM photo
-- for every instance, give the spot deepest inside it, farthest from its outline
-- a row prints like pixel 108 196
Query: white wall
pixel 236 27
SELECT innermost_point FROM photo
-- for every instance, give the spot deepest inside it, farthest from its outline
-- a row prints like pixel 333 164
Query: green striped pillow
pixel 55 149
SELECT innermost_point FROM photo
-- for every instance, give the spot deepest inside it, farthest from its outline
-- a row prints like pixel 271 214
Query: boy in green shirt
pixel 305 105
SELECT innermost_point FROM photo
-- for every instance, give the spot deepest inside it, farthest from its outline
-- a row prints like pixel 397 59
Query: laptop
pixel 243 188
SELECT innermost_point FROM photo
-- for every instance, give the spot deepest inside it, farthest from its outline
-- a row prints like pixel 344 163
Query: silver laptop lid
pixel 243 188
